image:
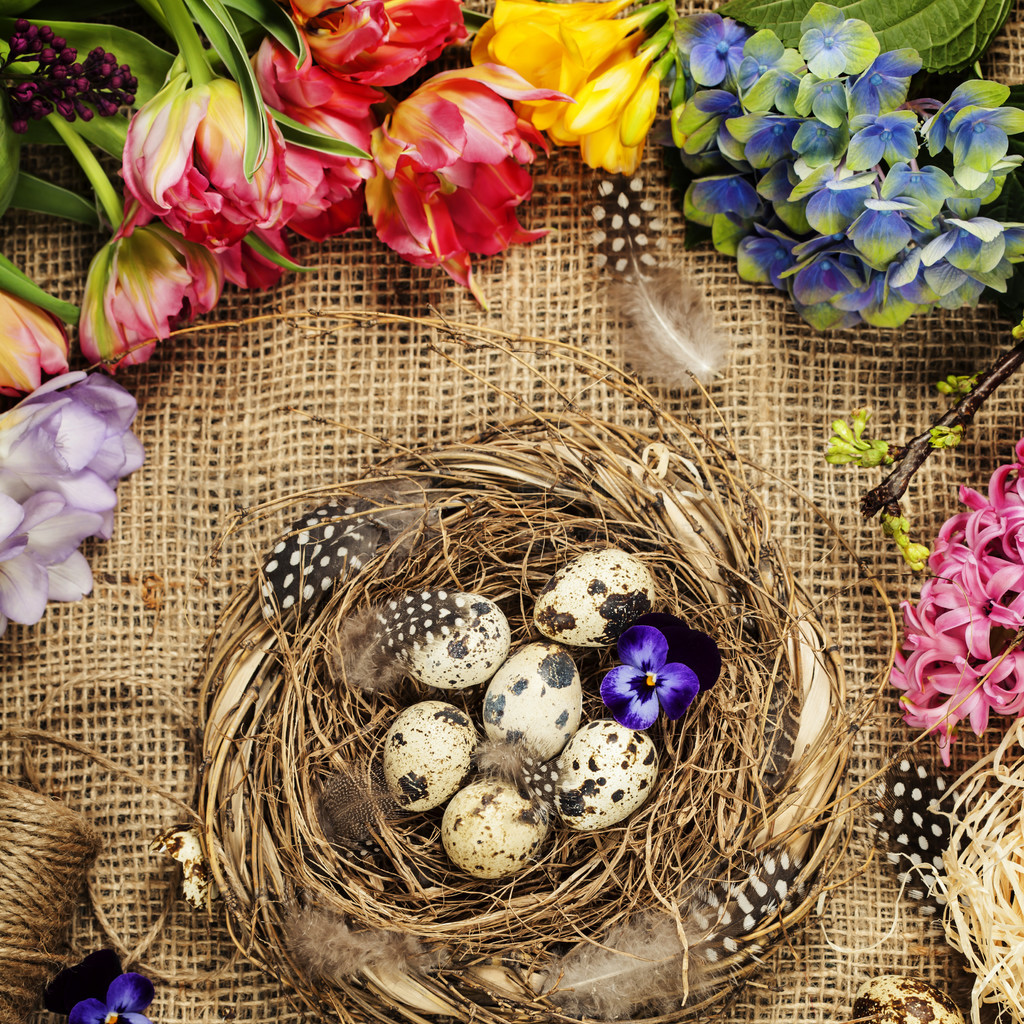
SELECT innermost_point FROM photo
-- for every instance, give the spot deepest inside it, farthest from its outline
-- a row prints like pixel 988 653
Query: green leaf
pixel 16 7
pixel 106 133
pixel 39 196
pixel 149 63
pixel 309 138
pixel 267 252
pixel 949 34
pixel 14 282
pixel 10 158
pixel 215 21
pixel 473 20
pixel 276 23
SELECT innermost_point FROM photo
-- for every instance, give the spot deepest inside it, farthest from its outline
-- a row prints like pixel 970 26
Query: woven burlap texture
pixel 232 416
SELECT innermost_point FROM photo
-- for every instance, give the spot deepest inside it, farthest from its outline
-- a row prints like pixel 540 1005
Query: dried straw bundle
pixel 748 775
pixel 984 875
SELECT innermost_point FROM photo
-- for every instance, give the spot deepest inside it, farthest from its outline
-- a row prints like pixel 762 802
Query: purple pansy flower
pixel 637 690
pixel 89 979
pixel 127 995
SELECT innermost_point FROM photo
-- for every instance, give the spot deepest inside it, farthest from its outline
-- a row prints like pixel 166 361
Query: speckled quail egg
pixel 446 639
pixel 428 752
pixel 604 774
pixel 593 599
pixel 892 999
pixel 490 831
pixel 535 698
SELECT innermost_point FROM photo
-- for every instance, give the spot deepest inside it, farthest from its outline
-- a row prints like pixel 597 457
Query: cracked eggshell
pixel 465 639
pixel 490 831
pixel 594 599
pixel 893 999
pixel 535 698
pixel 605 773
pixel 428 752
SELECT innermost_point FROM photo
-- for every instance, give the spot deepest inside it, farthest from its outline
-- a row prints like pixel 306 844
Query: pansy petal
pixel 677 686
pixel 620 685
pixel 134 1018
pixel 643 647
pixel 130 992
pixel 640 713
pixel 688 646
pixel 89 1011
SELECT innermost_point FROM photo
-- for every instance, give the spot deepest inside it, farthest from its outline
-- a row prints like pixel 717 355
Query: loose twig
pixel 910 458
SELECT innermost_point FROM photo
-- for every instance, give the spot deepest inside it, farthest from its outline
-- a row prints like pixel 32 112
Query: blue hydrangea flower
pixel 763 257
pixel 767 71
pixel 835 199
pixel 636 691
pixel 884 85
pixel 695 128
pixel 727 193
pixel 974 246
pixel 127 996
pixel 880 232
pixel 979 141
pixel 976 93
pixel 819 143
pixel 714 46
pixel 767 139
pixel 824 97
pixel 825 277
pixel 925 189
pixel 890 137
pixel 833 44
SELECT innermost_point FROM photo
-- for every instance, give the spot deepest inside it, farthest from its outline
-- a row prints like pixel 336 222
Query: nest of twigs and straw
pixel 748 777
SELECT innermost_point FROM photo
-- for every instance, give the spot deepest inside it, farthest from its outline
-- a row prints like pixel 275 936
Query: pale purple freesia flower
pixel 636 691
pixel 127 996
pixel 63 450
pixel 72 436
pixel 958 662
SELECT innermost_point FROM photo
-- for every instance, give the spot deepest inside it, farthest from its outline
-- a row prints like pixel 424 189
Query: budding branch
pixel 909 458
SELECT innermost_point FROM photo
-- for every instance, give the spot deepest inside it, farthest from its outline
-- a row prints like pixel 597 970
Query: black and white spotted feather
pixel 352 805
pixel 511 761
pixel 672 336
pixel 914 831
pixel 662 962
pixel 376 646
pixel 331 542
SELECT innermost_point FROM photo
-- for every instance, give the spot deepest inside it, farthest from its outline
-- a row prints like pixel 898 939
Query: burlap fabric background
pixel 236 415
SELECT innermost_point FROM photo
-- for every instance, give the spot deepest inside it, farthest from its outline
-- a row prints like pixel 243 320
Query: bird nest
pixel 657 917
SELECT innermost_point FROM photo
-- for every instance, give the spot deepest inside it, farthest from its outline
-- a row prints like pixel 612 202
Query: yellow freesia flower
pixel 581 50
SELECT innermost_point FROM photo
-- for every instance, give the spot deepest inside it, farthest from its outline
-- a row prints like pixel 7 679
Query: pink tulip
pixel 378 42
pixel 183 162
pixel 32 342
pixel 245 267
pixel 449 170
pixel 141 285
pixel 325 191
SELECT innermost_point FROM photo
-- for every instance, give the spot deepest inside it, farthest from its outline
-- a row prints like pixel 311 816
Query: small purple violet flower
pixel 127 996
pixel 636 691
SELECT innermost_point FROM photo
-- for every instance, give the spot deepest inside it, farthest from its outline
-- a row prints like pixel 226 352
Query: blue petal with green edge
pixel 880 233
pixel 823 316
pixel 777 182
pixel 978 93
pixel 883 86
pixel 824 97
pixel 822 280
pixel 775 88
pixel 819 143
pixel 728 230
pixel 767 139
pixel 731 193
pixel 966 293
pixel 836 206
pixel 904 268
pixel 889 137
pixel 979 141
pixel 1013 235
pixel 793 216
pixel 762 257
pixel 942 278
pixel 929 185
pixel 833 45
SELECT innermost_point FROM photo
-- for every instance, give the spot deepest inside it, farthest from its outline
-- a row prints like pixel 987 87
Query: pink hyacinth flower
pixel 183 162
pixel 378 42
pixel 32 342
pixel 144 283
pixel 324 191
pixel 449 170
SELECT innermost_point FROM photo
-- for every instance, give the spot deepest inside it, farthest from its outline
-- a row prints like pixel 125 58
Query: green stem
pixel 155 11
pixel 181 26
pixel 105 191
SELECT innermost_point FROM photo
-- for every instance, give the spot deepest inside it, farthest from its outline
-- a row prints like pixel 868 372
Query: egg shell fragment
pixel 535 698
pixel 596 597
pixel 895 999
pixel 605 773
pixel 490 831
pixel 428 752
pixel 449 640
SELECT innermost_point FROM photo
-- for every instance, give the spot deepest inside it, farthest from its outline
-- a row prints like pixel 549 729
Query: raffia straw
pixel 45 851
pixel 984 876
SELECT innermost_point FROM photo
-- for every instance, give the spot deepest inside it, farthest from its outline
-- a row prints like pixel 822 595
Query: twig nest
pixel 605 773
pixel 428 751
pixel 594 598
pixel 894 999
pixel 490 831
pixel 536 699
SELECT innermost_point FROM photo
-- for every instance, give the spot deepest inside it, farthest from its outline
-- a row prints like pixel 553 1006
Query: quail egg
pixel 892 999
pixel 446 639
pixel 428 751
pixel 535 698
pixel 605 773
pixel 490 831
pixel 594 598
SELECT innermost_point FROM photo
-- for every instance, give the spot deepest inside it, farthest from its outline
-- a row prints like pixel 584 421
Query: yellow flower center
pixel 111 1018
pixel 650 679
